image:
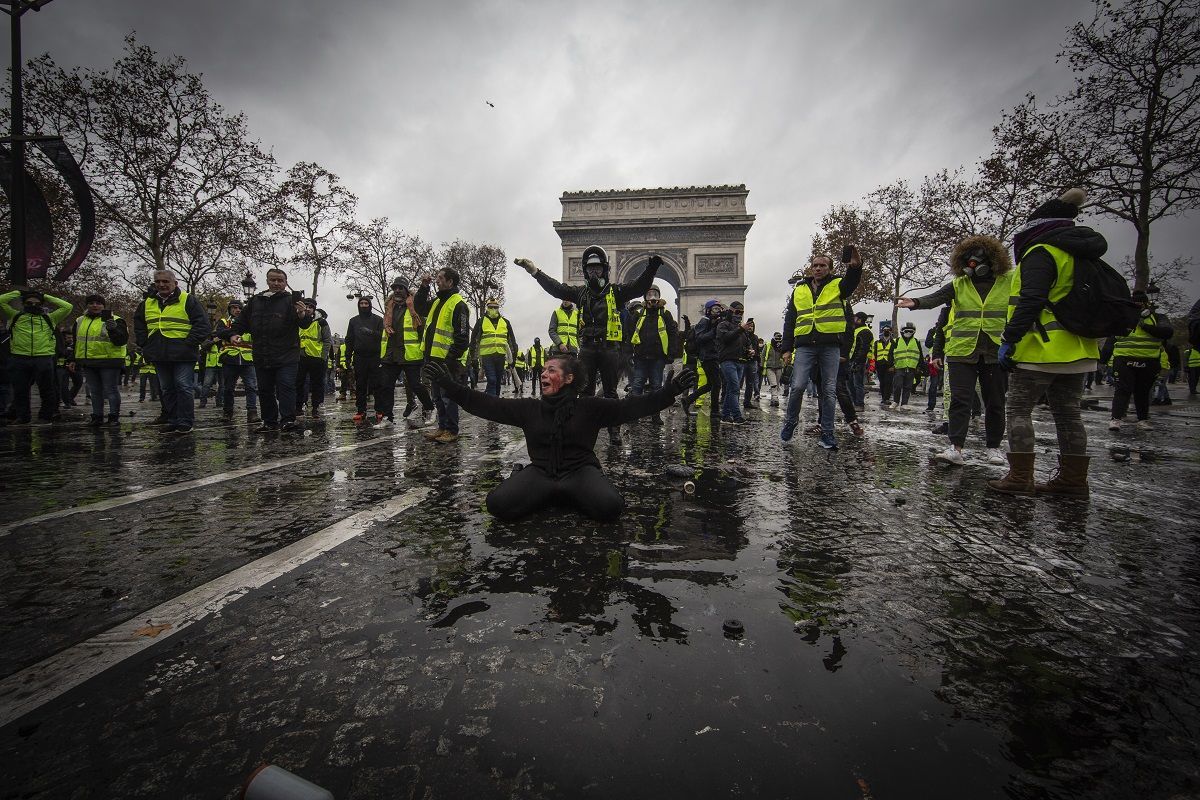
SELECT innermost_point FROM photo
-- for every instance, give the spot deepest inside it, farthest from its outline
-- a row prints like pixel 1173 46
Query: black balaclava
pixel 364 310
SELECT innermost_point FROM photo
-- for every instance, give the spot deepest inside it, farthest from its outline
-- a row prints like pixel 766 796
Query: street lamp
pixel 16 140
pixel 248 285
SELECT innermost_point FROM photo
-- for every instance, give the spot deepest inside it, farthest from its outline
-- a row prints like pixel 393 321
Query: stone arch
pixel 698 231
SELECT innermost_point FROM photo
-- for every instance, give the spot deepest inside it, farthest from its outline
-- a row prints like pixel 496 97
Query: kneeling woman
pixel 560 433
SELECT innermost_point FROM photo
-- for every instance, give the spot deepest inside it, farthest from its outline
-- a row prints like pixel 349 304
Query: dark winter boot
pixel 1069 479
pixel 1019 479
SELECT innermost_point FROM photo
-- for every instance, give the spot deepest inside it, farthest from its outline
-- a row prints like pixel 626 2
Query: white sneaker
pixel 995 455
pixel 1114 424
pixel 951 455
pixel 383 423
pixel 425 420
pixel 1145 425
pixel 892 406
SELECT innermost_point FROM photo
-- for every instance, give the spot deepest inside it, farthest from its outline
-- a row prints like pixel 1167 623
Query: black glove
pixel 437 372
pixel 655 262
pixel 685 380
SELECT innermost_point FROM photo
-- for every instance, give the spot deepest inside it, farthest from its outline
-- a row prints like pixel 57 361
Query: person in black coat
pixel 560 433
pixel 273 319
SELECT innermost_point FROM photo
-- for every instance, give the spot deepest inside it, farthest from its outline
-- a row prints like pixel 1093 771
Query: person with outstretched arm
pixel 600 331
pixel 560 433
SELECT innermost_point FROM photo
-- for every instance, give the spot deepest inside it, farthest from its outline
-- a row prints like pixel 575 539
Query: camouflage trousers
pixel 1063 391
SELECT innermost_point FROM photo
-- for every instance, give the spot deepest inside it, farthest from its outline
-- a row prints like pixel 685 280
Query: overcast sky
pixel 807 103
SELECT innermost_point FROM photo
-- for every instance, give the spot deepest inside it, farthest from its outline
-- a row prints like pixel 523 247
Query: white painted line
pixel 185 486
pixel 31 688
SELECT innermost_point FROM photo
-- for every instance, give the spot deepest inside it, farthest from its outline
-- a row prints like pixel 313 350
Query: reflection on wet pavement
pixel 905 634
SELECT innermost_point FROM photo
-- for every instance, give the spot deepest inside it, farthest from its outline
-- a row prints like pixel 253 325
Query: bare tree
pixel 483 268
pixel 380 254
pixel 1171 281
pixel 892 230
pixel 1129 131
pixel 158 152
pixel 314 219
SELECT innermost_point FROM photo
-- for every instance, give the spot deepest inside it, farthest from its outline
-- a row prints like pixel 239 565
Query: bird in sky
pixel 490 103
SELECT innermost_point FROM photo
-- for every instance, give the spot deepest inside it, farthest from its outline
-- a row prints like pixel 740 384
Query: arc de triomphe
pixel 699 231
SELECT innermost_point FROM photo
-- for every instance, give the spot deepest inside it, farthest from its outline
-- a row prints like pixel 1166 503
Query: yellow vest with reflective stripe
pixel 1194 358
pixel 493 338
pixel 612 330
pixel 906 353
pixel 213 357
pixel 854 343
pixel 879 350
pixel 230 351
pixel 440 333
pixel 1164 361
pixel 170 321
pixel 91 339
pixel 310 340
pixel 537 357
pixel 567 326
pixel 410 337
pixel 663 339
pixel 828 314
pixel 519 360
pixel 971 316
pixel 1059 346
pixel 1138 345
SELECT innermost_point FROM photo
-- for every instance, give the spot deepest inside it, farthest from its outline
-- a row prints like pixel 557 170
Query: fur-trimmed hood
pixel 998 255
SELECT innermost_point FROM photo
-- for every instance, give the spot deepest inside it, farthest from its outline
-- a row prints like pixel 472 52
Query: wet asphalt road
pixel 905 634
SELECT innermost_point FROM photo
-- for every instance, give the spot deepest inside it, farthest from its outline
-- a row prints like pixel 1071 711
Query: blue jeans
pixel 447 409
pixel 233 371
pixel 647 370
pixel 807 358
pixel 752 380
pixel 177 383
pixel 731 381
pixel 858 383
pixel 104 383
pixel 277 392
pixel 212 377
pixel 493 368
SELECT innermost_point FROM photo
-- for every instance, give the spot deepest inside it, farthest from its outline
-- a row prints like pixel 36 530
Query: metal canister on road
pixel 269 782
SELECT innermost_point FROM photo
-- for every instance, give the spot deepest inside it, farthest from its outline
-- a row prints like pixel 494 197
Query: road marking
pixel 150 494
pixel 35 686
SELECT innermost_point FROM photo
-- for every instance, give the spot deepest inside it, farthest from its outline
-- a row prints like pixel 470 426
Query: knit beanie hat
pixel 1065 206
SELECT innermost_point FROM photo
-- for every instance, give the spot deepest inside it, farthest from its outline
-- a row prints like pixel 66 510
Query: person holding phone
pixel 813 326
pixel 274 318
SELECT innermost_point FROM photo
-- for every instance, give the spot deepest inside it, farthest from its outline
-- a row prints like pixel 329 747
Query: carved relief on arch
pixel 629 264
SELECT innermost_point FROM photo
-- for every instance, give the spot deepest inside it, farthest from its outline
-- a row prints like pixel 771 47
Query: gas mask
pixel 907 334
pixel 596 279
pixel 975 263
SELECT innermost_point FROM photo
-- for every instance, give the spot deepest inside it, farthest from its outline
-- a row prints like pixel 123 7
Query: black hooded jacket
pixel 593 309
pixel 1039 272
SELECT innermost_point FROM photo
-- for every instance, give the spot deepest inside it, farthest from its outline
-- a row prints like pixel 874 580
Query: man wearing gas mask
pixel 978 299
pixel 1135 363
pixel 599 302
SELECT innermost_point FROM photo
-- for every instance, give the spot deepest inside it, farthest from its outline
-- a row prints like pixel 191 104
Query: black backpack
pixel 1098 305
